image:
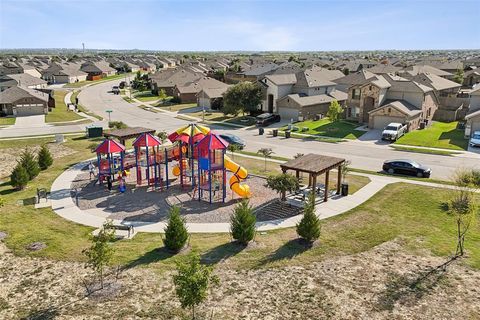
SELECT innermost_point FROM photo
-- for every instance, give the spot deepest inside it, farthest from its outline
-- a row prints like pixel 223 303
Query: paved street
pixel 98 99
pixel 366 153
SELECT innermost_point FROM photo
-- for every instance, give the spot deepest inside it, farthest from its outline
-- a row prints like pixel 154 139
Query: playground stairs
pixel 276 209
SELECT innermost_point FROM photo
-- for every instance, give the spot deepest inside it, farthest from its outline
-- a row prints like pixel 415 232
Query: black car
pixel 233 139
pixel 266 119
pixel 408 167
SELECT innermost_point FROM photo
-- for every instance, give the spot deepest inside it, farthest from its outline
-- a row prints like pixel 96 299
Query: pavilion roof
pixel 128 133
pixel 312 163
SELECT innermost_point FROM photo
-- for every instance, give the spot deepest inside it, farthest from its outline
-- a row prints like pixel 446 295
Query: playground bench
pixel 123 227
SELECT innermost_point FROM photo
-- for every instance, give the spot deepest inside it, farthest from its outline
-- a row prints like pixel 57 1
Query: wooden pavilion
pixel 127 133
pixel 315 165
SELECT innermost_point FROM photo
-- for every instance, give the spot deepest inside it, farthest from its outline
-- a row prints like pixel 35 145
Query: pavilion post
pixel 327 177
pixel 314 183
pixel 339 178
pixel 297 174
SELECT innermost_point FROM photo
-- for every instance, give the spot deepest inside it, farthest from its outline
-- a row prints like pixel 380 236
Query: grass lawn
pixel 410 212
pixel 146 96
pixel 443 135
pixel 423 150
pixel 4 121
pixel 82 83
pixel 324 127
pixel 175 107
pixel 60 112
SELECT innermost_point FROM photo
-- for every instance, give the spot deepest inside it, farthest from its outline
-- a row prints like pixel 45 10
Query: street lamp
pixel 109 113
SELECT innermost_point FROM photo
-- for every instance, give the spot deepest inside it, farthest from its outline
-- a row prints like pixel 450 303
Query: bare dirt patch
pixel 9 156
pixel 372 285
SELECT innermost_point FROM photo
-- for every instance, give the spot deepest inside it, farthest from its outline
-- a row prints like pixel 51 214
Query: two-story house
pixel 473 116
pixel 378 100
pixel 304 93
pixel 407 102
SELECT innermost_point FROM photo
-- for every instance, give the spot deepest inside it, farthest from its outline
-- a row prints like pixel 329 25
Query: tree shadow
pixel 49 313
pixel 455 137
pixel 409 288
pixel 287 251
pixel 222 252
pixel 152 256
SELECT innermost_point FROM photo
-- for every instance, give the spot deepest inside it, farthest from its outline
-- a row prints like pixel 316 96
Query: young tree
pixel 28 161
pixel 19 177
pixel 163 136
pixel 176 234
pixel 100 253
pixel 282 183
pixel 463 204
pixel 162 95
pixel 309 227
pixel 242 97
pixel 233 147
pixel 45 158
pixel 334 111
pixel 459 75
pixel 266 153
pixel 345 167
pixel 192 281
pixel 242 223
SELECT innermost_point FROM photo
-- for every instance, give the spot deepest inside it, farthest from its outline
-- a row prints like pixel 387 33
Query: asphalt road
pixel 367 155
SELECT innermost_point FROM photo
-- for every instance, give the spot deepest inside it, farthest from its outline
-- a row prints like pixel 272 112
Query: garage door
pixel 380 122
pixel 29 110
pixel 288 113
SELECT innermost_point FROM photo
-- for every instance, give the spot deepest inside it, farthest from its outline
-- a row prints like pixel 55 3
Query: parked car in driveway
pixel 394 131
pixel 233 139
pixel 407 167
pixel 266 119
pixel 475 139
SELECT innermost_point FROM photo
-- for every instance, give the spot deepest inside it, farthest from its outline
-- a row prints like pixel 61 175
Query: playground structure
pixel 109 159
pixel 204 152
pixel 201 163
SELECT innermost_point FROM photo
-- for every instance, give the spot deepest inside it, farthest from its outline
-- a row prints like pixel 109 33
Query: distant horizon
pixel 251 26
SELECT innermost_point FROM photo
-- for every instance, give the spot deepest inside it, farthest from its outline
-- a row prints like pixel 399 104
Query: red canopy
pixel 212 141
pixel 109 146
pixel 146 140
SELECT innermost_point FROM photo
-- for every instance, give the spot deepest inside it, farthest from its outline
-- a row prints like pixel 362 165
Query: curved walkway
pixel 63 204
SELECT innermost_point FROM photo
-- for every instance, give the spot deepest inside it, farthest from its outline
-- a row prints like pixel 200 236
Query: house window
pixel 389 110
pixel 356 94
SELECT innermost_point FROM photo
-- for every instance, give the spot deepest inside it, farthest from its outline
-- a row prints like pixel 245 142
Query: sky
pixel 290 25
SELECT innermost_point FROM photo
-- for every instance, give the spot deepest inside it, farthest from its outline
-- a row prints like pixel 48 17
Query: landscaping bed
pixel 444 135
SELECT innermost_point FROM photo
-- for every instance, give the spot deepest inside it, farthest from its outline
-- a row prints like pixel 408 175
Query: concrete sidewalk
pixel 63 204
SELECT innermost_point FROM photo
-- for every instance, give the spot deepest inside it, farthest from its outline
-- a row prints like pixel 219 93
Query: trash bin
pixel 344 188
pixel 287 134
pixel 261 131
pixel 275 132
pixel 94 132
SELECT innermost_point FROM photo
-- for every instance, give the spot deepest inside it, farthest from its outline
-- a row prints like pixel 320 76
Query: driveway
pixel 30 122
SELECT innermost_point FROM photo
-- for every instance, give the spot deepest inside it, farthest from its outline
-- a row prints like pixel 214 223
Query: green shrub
pixel 282 183
pixel 176 100
pixel 117 125
pixel 29 162
pixel 242 223
pixel 309 227
pixel 45 158
pixel 3 202
pixel 176 234
pixel 19 177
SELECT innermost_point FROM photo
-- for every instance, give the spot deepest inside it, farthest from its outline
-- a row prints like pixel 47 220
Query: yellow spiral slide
pixel 239 174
